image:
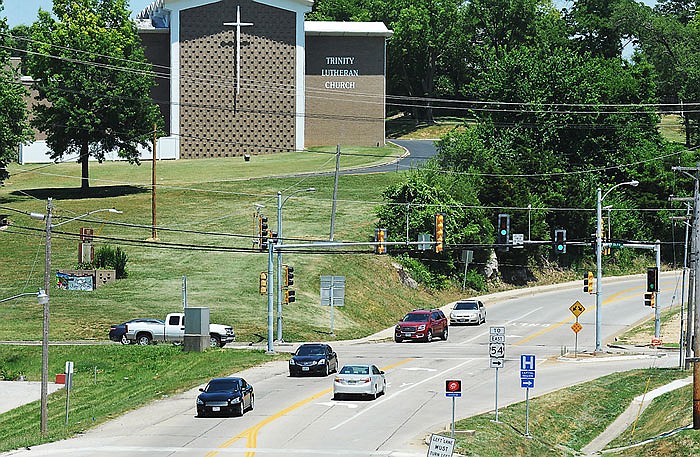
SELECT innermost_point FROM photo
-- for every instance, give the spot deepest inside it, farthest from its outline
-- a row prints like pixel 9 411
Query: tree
pixel 14 126
pixel 669 38
pixel 95 81
pixel 599 26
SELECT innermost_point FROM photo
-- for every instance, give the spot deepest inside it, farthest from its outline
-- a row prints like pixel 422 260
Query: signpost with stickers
pixel 497 354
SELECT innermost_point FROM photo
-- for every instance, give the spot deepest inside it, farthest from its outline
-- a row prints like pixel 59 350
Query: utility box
pixel 196 329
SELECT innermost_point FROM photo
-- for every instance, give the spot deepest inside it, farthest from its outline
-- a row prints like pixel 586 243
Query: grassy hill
pixel 206 230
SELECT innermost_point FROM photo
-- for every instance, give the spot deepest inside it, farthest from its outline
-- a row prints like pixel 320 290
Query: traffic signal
pixel 649 299
pixel 263 283
pixel 588 283
pixel 380 239
pixel 439 232
pixel 288 273
pixel 503 234
pixel 289 296
pixel 560 241
pixel 264 232
pixel 652 279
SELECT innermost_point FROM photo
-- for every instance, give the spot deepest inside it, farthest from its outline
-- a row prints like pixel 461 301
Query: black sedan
pixel 117 332
pixel 225 396
pixel 316 358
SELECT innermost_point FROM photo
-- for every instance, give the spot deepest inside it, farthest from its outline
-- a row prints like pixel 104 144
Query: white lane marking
pixel 374 405
pixel 337 403
pixel 419 369
pixel 506 323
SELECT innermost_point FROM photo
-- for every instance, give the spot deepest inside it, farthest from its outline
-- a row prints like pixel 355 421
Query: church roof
pixel 332 28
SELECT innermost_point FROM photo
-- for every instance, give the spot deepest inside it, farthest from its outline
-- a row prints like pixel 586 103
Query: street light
pixel 43 299
pixel 281 203
pixel 599 260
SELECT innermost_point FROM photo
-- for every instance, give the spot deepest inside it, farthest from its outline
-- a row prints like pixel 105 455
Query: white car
pixel 468 312
pixel 359 380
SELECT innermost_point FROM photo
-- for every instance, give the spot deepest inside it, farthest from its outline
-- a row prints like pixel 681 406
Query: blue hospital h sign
pixel 527 362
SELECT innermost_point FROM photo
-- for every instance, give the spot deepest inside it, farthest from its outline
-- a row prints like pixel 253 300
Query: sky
pixel 25 11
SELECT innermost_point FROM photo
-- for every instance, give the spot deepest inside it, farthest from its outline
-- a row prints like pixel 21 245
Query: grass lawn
pixel 563 422
pixel 108 381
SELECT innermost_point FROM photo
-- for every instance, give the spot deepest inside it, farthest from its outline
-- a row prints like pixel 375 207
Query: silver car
pixel 468 312
pixel 359 380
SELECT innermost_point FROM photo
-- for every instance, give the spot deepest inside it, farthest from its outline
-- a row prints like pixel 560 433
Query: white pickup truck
pixel 173 331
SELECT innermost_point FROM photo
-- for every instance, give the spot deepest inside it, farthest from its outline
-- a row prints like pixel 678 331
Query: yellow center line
pixel 251 434
pixel 612 299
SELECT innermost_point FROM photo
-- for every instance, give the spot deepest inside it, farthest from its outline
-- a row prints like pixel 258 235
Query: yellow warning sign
pixel 576 327
pixel 577 308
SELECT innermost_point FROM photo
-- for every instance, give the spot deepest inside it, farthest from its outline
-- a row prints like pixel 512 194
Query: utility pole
pixel 695 288
pixel 335 191
pixel 45 331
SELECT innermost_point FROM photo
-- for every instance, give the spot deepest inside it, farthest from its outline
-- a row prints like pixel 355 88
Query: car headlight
pixel 452 315
pixel 234 400
pixel 421 327
pixel 199 401
pixel 291 362
pixel 322 362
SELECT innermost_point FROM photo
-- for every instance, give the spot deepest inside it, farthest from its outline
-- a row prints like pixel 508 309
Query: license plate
pixel 304 368
pixel 215 408
pixel 407 334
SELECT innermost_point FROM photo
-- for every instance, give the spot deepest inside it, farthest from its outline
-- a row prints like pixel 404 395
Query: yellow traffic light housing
pixel 439 232
pixel 380 239
pixel 263 283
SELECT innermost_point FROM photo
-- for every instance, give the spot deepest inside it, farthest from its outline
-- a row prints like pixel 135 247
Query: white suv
pixel 468 312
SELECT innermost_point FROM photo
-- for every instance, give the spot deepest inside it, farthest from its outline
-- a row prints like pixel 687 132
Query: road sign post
pixel 527 381
pixel 576 309
pixel 497 354
pixel 453 388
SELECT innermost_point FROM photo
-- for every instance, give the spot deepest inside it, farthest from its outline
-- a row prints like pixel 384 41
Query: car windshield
pixel 466 305
pixel 354 369
pixel 222 385
pixel 311 350
pixel 417 317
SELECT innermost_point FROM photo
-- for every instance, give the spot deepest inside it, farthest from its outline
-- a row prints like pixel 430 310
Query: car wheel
pixel 444 334
pixel 429 336
pixel 252 402
pixel 397 339
pixel 384 388
pixel 327 370
pixel 376 392
pixel 124 340
pixel 144 339
pixel 214 341
pixel 200 414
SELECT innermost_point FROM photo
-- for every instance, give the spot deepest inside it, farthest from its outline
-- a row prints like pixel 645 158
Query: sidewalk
pixel 17 393
pixel 627 418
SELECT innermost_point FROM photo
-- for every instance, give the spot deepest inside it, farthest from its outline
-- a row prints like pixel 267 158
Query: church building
pixel 252 77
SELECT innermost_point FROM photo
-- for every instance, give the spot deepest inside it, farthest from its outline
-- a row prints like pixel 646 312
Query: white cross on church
pixel 238 24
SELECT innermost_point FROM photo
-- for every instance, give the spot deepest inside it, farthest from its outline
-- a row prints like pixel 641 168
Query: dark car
pixel 316 358
pixel 225 396
pixel 421 324
pixel 117 332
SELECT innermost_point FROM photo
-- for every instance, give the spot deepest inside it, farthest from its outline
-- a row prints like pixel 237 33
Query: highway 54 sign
pixel 497 350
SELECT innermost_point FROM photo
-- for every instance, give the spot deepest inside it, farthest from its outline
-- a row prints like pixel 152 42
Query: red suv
pixel 421 324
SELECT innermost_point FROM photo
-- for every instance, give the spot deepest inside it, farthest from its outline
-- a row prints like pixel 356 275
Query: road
pixel 297 416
